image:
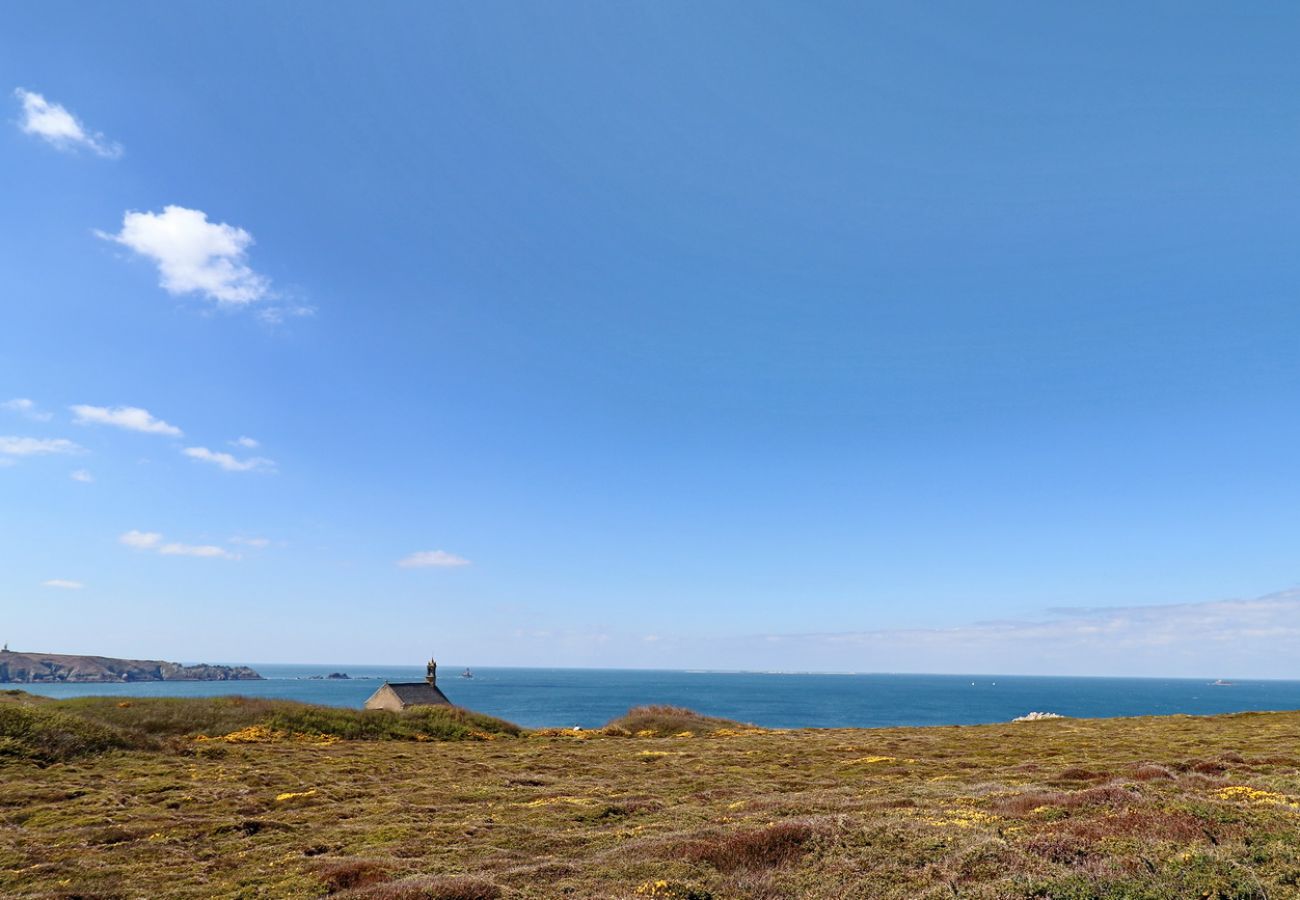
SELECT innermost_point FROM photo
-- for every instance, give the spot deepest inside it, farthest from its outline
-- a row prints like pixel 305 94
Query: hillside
pixel 264 799
pixel 32 668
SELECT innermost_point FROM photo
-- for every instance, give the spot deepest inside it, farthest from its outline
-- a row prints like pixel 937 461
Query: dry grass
pixel 1133 809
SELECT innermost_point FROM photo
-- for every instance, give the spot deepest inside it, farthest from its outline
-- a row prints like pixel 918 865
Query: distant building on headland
pixel 404 695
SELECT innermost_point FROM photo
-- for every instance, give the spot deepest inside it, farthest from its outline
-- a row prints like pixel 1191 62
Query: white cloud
pixel 275 315
pixel 204 550
pixel 141 540
pixel 152 540
pixel 229 463
pixel 194 255
pixel 25 407
pixel 54 124
pixel 30 446
pixel 63 583
pixel 247 443
pixel 82 475
pixel 432 559
pixel 258 542
pixel 131 418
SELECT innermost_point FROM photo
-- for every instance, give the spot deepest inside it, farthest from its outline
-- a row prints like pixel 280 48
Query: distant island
pixel 39 668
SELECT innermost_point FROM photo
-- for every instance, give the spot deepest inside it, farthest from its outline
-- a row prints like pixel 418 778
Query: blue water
pixel 591 697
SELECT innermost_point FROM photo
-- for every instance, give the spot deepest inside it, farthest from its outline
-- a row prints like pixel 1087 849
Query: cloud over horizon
pixel 1212 637
pixel 63 583
pixel 54 124
pixel 132 418
pixel 193 255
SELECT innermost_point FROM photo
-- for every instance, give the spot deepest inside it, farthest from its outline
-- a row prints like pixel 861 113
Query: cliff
pixel 27 668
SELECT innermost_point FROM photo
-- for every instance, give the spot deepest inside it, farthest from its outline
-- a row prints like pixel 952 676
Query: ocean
pixel 588 698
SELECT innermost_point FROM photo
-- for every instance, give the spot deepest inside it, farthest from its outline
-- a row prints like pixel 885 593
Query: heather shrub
pixel 346 874
pixel 665 721
pixel 46 736
pixel 753 849
pixel 429 888
pixel 1152 772
pixel 148 723
pixel 443 723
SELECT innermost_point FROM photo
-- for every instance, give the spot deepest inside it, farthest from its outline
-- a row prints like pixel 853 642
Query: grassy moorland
pixel 227 798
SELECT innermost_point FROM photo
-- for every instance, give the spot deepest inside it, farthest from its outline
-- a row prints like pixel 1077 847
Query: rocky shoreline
pixel 47 668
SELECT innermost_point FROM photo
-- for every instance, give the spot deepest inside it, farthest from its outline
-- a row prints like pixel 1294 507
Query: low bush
pixel 665 721
pixel 99 723
pixel 428 888
pixel 1077 773
pixel 1025 804
pixel 153 719
pixel 347 874
pixel 442 723
pixel 47 736
pixel 753 849
pixel 14 695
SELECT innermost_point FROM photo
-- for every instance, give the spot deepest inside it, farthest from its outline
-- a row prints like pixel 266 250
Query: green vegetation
pixel 666 721
pixel 86 725
pixel 42 735
pixel 108 798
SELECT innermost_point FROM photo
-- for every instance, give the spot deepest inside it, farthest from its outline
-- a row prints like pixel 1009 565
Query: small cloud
pixel 276 315
pixel 52 123
pixel 193 255
pixel 259 542
pixel 141 540
pixel 203 550
pixel 27 408
pixel 63 583
pixel 81 475
pixel 152 540
pixel 30 446
pixel 247 443
pixel 132 418
pixel 432 559
pixel 229 463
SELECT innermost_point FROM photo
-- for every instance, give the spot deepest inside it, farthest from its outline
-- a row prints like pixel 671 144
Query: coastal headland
pixel 37 668
pixel 103 796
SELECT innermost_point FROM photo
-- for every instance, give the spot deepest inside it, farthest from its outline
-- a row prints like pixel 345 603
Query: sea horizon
pixel 453 669
pixel 589 697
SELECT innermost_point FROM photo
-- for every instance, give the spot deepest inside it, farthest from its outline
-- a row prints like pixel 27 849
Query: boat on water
pixel 1220 683
pixel 467 674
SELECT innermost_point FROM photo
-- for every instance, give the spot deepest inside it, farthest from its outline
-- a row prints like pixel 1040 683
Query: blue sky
pixel 768 336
